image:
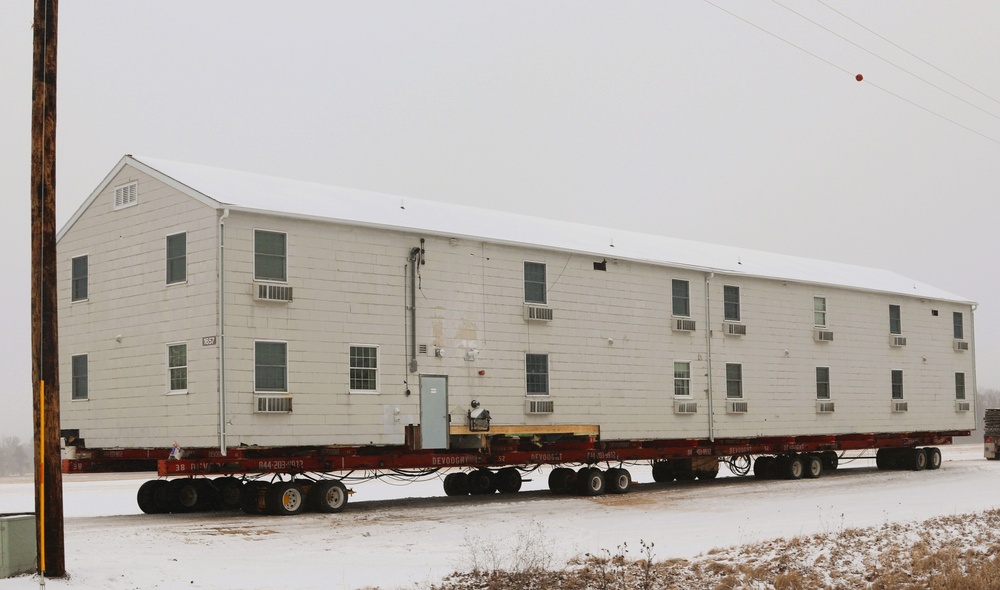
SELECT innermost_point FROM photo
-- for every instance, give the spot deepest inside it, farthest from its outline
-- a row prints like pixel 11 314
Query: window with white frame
pixel 270 366
pixel 681 292
pixel 682 379
pixel 177 371
pixel 895 320
pixel 534 282
pixel 126 195
pixel 79 371
pixel 364 368
pixel 734 380
pixel 536 374
pixel 731 303
pixel 79 281
pixel 960 386
pixel 269 256
pixel 819 312
pixel 822 382
pixel 958 327
pixel 897 384
pixel 176 258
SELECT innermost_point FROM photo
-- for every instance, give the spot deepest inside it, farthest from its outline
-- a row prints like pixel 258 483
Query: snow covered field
pixel 404 537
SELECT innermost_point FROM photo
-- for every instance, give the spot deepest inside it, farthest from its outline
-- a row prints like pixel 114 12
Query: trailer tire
pixel 765 467
pixel 830 460
pixel 706 475
pixel 227 492
pixel 146 496
pixel 328 496
pixel 285 498
pixel 790 467
pixel 662 472
pixel 183 495
pixel 253 497
pixel 933 457
pixel 812 466
pixel 456 484
pixel 590 481
pixel 916 459
pixel 482 482
pixel 617 480
pixel 508 480
pixel 562 480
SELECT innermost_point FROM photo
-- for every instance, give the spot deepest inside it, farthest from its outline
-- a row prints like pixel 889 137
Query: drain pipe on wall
pixel 708 352
pixel 415 259
pixel 221 344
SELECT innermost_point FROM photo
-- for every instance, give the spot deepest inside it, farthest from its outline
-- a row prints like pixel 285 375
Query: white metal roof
pixel 255 192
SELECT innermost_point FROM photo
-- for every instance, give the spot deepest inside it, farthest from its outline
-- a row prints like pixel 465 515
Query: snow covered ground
pixel 406 536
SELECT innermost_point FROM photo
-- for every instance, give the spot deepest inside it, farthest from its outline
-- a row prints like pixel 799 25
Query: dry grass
pixel 946 553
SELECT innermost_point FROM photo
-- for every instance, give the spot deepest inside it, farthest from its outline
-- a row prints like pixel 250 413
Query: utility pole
pixel 44 341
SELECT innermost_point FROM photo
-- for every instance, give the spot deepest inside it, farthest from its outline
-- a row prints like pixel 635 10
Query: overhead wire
pixel 842 69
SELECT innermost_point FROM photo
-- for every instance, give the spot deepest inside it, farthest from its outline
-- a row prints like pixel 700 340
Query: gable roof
pixel 244 191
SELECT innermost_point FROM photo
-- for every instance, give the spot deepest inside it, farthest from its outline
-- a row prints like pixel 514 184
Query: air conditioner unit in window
pixel 824 407
pixel 961 345
pixel 733 329
pixel 961 406
pixel 685 407
pixel 536 313
pixel 737 407
pixel 684 325
pixel 273 404
pixel 897 341
pixel 822 335
pixel 268 292
pixel 899 407
pixel 539 406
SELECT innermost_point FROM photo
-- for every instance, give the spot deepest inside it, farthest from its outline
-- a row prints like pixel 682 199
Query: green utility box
pixel 18 550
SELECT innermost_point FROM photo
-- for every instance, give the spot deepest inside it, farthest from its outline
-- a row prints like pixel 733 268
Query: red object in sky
pixel 859 77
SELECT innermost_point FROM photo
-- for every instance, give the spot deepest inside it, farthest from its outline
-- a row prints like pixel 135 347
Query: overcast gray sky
pixel 736 122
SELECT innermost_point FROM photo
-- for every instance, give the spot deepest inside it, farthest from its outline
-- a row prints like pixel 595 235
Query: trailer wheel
pixel 590 481
pixel 482 482
pixel 328 496
pixel 830 460
pixel 456 484
pixel 765 467
pixel 618 480
pixel 253 499
pixel 146 496
pixel 933 457
pixel 706 475
pixel 227 492
pixel 562 480
pixel 884 459
pixel 182 495
pixel 508 480
pixel 790 466
pixel 812 466
pixel 917 459
pixel 662 472
pixel 285 498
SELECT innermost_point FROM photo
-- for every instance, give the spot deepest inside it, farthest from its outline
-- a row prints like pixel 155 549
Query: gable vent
pixel 273 404
pixel 897 341
pixel 266 292
pixel 126 195
pixel 824 407
pixel 732 329
pixel 823 336
pixel 684 325
pixel 963 406
pixel 961 345
pixel 685 407
pixel 899 407
pixel 737 407
pixel 535 313
pixel 539 406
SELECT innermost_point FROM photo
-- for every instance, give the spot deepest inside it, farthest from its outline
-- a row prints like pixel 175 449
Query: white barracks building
pixel 213 307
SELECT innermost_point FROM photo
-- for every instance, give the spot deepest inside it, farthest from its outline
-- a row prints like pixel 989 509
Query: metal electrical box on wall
pixel 17 545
